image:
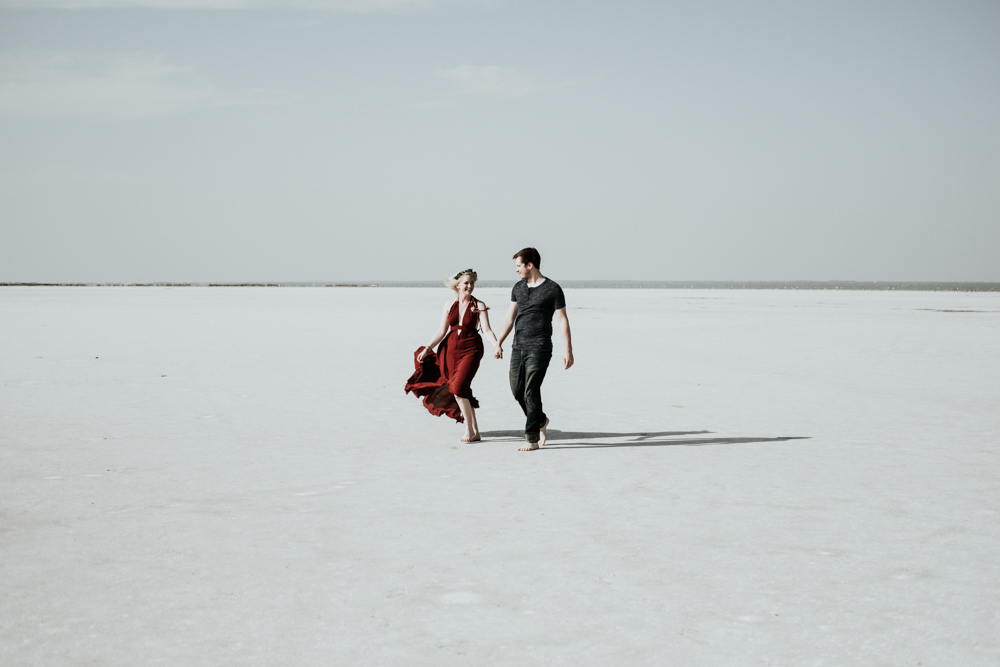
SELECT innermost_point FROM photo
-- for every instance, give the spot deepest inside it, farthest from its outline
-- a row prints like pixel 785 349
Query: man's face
pixel 521 268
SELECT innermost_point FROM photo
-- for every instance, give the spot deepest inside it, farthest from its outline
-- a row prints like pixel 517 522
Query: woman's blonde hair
pixel 452 281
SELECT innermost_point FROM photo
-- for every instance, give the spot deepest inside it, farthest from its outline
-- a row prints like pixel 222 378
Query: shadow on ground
pixel 639 439
pixel 555 434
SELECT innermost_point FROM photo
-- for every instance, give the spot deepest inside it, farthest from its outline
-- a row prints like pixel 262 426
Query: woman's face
pixel 465 285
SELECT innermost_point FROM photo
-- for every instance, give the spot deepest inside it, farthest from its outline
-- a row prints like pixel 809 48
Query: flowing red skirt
pixel 443 376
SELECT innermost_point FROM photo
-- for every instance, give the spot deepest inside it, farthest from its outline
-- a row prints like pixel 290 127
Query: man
pixel 534 301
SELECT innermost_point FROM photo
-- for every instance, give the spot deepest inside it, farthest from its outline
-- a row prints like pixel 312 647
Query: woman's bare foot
pixel 532 446
pixel 471 437
pixel 542 435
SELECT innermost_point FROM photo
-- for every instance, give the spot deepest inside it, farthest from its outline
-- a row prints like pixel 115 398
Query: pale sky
pixel 245 140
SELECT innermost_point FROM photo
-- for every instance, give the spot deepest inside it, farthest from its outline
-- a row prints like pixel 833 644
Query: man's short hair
pixel 529 256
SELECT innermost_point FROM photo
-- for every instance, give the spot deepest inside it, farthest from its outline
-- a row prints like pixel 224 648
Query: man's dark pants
pixel 527 370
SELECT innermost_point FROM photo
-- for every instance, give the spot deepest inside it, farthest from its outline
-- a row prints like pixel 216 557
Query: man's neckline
pixel 538 284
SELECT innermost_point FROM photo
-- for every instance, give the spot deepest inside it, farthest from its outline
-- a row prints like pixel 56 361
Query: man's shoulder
pixel 515 292
pixel 554 294
pixel 551 286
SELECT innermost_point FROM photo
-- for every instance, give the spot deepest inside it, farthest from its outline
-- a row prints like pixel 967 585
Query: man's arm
pixel 563 322
pixel 508 324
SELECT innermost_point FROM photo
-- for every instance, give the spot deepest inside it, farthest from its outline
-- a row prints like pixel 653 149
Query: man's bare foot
pixel 542 436
pixel 532 446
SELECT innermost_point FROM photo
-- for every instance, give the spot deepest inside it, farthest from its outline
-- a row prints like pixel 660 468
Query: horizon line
pixel 864 285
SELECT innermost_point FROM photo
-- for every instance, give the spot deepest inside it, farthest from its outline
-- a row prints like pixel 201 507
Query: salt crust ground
pixel 198 476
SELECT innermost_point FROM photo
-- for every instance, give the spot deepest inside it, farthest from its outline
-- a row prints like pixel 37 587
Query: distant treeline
pixel 873 285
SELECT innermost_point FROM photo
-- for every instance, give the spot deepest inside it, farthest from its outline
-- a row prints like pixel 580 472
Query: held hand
pixel 568 359
pixel 498 352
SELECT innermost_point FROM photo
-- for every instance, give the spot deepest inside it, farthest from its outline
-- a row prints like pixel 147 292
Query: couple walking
pixel 444 379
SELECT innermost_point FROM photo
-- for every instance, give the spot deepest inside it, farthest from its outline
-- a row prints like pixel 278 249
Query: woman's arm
pixel 484 319
pixel 439 336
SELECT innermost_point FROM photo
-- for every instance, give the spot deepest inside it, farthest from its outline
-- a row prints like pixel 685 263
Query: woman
pixel 444 380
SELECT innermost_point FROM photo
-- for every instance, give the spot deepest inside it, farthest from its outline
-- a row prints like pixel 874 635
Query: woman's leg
pixel 469 414
pixel 460 384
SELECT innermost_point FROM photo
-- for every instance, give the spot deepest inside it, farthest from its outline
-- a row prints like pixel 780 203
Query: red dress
pixel 443 376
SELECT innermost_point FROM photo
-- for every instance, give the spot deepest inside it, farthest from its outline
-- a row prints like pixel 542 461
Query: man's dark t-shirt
pixel 535 307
